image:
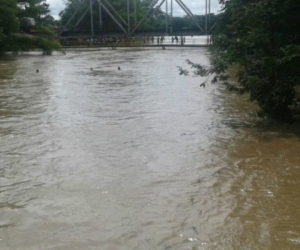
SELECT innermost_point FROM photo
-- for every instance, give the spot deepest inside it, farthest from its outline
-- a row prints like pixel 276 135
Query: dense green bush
pixel 262 38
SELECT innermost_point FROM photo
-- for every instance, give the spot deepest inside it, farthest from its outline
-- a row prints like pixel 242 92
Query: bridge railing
pixel 138 41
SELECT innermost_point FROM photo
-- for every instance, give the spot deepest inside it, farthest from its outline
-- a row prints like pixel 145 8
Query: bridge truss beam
pixel 154 6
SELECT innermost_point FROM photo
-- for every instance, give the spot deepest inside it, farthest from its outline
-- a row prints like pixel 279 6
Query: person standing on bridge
pixel 157 39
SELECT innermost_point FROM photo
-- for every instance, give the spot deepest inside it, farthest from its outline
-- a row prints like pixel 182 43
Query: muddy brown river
pixel 139 158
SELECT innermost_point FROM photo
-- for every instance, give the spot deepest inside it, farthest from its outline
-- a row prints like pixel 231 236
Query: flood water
pixel 139 158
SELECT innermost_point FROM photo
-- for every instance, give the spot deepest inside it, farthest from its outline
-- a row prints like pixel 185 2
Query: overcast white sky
pixel 196 6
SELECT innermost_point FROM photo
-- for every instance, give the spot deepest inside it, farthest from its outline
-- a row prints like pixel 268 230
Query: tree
pixel 8 20
pixel 27 23
pixel 262 38
pixel 35 18
pixel 10 39
pixel 37 9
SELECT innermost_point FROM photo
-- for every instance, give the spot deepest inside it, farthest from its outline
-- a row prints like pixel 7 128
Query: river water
pixel 139 158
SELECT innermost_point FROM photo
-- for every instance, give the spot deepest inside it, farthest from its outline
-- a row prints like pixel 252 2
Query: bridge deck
pixel 113 46
pixel 167 41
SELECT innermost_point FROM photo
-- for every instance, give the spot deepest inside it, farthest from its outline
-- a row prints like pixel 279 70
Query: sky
pixel 196 6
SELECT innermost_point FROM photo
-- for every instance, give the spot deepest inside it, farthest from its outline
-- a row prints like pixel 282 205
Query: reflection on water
pixel 139 158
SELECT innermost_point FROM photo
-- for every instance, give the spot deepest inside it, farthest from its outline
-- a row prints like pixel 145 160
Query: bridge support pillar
pixel 171 18
pixel 167 18
pixel 100 15
pixel 92 19
pixel 128 18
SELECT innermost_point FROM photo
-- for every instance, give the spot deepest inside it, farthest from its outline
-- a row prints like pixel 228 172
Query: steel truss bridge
pixel 129 29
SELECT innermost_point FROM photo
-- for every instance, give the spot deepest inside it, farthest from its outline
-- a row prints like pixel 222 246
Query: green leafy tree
pixel 37 9
pixel 10 39
pixel 34 16
pixel 8 19
pixel 261 38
